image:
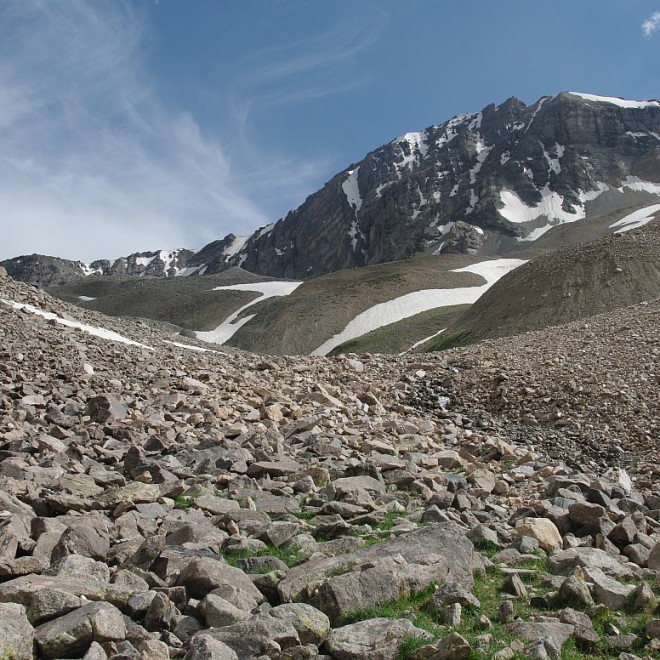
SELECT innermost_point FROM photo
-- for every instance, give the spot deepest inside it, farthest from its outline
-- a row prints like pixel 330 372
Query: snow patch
pixel 554 164
pixel 515 210
pixel 422 203
pixel 102 333
pixel 622 103
pixel 635 183
pixel 417 147
pixel 550 206
pixel 186 272
pixel 354 233
pixel 144 261
pixel 536 111
pixel 264 231
pixel 88 270
pixel 235 246
pixel 199 349
pixel 422 341
pixel 86 298
pixel 636 219
pixel 483 152
pixel 228 328
pixel 421 301
pixel 352 190
pixel 474 198
pixel 505 158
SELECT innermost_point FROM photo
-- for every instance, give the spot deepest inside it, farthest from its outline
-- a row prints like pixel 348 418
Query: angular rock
pixel 608 591
pixel 259 635
pixel 384 572
pixel 204 646
pixel 541 529
pixel 202 576
pixel 566 561
pixel 16 633
pixel 574 593
pixel 72 633
pixel 374 638
pixel 311 624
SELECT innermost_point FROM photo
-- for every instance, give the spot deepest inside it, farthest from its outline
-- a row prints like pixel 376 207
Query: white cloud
pixel 92 163
pixel 651 24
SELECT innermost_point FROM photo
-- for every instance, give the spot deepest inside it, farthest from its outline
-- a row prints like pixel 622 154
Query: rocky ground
pixel 162 502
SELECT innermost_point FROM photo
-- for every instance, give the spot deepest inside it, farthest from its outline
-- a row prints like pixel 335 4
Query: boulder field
pixel 166 500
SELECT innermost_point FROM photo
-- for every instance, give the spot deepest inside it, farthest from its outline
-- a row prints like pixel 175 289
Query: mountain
pixel 53 271
pixel 492 182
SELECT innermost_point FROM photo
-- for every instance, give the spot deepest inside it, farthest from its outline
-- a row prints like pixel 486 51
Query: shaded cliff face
pixel 483 182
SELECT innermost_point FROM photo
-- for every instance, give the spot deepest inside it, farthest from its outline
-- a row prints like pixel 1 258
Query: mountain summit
pixel 490 182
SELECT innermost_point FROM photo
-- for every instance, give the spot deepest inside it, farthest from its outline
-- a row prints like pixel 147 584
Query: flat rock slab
pixel 375 639
pixel 565 562
pixel 383 572
pixel 23 589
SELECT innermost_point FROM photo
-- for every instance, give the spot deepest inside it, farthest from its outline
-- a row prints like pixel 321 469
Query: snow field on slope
pixel 550 206
pixel 622 103
pixel 636 219
pixel 421 301
pixel 90 329
pixel 352 190
pixel 228 328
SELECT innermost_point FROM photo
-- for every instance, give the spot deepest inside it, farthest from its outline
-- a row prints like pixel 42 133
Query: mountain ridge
pixel 488 182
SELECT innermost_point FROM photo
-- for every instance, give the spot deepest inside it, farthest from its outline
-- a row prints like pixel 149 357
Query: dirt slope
pixel 569 284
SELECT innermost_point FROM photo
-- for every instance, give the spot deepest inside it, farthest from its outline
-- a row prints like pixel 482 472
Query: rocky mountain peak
pixel 512 171
pixel 508 174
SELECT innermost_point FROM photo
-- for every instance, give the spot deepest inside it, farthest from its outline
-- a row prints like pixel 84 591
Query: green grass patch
pixel 407 607
pixel 185 501
pixel 291 556
pixel 448 340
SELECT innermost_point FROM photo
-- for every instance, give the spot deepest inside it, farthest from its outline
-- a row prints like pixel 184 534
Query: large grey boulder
pixel 311 624
pixel 72 634
pixel 203 575
pixel 373 639
pixel 383 572
pixel 548 634
pixel 24 589
pixel 260 635
pixel 83 541
pixel 16 633
pixel 565 562
pixel 205 647
pixel 608 591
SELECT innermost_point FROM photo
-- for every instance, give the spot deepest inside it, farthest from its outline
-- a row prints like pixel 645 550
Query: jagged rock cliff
pixel 479 182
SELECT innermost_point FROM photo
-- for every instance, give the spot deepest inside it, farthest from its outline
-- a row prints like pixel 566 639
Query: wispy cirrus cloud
pixel 651 24
pixel 92 162
pixel 312 68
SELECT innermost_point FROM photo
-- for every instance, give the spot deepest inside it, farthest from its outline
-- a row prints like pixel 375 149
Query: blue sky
pixel 145 124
